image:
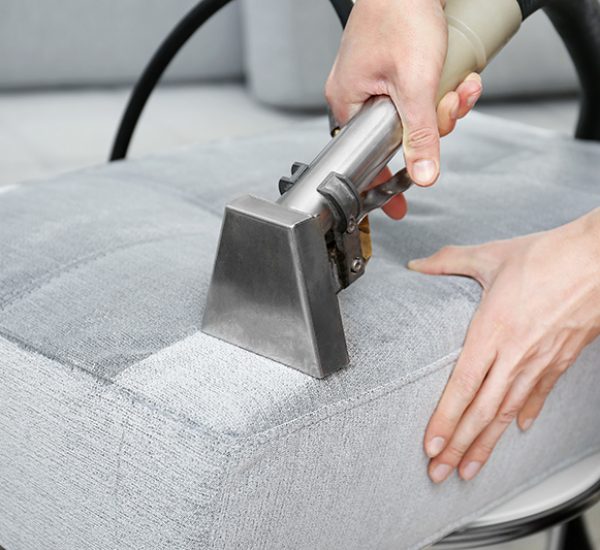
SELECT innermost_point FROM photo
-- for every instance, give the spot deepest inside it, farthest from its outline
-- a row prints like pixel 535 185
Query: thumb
pixel 421 140
pixel 450 260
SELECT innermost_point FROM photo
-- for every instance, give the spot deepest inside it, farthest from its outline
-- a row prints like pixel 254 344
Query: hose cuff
pixel 530 6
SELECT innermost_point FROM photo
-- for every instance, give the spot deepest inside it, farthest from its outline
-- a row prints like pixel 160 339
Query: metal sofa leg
pixel 576 535
pixel 569 536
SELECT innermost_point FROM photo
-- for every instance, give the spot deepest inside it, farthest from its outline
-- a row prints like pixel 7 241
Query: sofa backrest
pixel 107 42
pixel 285 48
pixel 291 44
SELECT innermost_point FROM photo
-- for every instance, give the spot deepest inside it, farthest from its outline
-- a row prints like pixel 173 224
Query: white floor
pixel 45 134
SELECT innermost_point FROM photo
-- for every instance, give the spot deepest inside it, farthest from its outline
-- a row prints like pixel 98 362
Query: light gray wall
pixel 290 46
pixel 89 42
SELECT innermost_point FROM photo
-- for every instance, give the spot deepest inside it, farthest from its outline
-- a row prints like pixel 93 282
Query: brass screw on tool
pixel 357 265
pixel 351 227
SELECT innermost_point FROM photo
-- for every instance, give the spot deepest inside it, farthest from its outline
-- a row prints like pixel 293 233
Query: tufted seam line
pixel 269 434
pixel 14 297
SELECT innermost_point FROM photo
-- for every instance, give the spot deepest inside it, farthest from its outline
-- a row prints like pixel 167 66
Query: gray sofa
pixel 60 43
pixel 123 426
pixel 289 48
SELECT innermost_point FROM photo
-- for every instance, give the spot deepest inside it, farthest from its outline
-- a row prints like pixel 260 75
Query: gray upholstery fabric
pixel 84 42
pixel 122 426
pixel 290 47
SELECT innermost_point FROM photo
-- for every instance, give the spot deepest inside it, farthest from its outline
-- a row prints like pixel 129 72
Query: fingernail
pixel 435 446
pixel 471 470
pixel 414 264
pixel 472 99
pixel 526 424
pixel 440 472
pixel 424 172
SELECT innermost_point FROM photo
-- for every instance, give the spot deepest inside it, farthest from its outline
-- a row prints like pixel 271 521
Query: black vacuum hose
pixel 159 62
pixel 577 22
pixel 343 9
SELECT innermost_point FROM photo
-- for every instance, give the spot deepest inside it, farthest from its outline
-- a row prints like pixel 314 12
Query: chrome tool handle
pixel 477 30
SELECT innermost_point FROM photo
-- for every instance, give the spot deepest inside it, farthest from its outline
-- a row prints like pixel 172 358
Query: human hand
pixel 398 48
pixel 540 307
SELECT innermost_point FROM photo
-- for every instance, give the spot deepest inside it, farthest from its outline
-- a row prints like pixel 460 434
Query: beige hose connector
pixel 477 31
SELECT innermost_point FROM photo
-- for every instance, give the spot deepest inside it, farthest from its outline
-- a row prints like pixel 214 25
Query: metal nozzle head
pixel 272 291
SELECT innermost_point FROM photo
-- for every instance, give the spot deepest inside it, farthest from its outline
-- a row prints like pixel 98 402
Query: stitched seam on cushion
pixel 472 516
pixel 251 448
pixel 15 296
pixel 126 393
pixel 338 407
pixel 233 460
pixel 249 444
pixel 252 444
pixel 307 419
pixel 148 181
pixel 181 194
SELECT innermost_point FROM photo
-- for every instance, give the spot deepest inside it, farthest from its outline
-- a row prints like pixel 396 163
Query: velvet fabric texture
pixel 123 426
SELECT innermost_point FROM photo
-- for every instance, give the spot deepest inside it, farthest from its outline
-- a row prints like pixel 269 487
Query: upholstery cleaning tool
pixel 281 264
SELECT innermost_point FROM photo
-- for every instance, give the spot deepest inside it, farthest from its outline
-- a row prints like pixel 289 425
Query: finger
pixel 482 447
pixel 421 138
pixel 534 404
pixel 469 92
pixel 396 208
pixel 344 102
pixel 480 414
pixel 460 418
pixel 381 178
pixel 465 381
pixel 451 260
pixel 447 113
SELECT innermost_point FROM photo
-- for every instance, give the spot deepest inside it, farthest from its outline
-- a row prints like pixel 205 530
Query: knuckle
pixel 454 453
pixel 422 138
pixel 506 416
pixel 448 250
pixel 330 79
pixel 445 420
pixel 484 448
pixel 544 388
pixel 484 415
pixel 563 365
pixel 330 94
pixel 467 381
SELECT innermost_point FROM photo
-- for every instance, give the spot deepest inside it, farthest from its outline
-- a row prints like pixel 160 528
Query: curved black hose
pixel 578 23
pixel 343 9
pixel 145 85
pixel 176 39
pixel 530 6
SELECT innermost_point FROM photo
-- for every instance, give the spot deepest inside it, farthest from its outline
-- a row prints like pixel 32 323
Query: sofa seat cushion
pixel 123 426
